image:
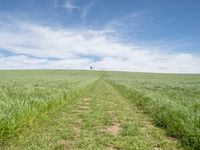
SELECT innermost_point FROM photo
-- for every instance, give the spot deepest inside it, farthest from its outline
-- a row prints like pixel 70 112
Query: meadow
pixel 26 95
pixel 98 109
pixel 172 100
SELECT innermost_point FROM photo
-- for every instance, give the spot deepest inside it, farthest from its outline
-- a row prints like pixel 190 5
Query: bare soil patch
pixel 158 148
pixel 83 108
pixel 67 143
pixel 114 129
pixel 87 99
pixel 112 147
pixel 77 130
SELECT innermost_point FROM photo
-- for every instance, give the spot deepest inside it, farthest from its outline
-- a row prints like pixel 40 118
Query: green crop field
pixel 67 109
pixel 172 100
pixel 24 95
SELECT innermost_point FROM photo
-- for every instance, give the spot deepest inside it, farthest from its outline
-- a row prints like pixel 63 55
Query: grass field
pixel 24 95
pixel 172 100
pixel 57 109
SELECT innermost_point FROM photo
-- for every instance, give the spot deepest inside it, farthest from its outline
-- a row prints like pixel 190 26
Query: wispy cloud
pixel 51 47
pixel 86 9
pixel 129 23
pixel 70 6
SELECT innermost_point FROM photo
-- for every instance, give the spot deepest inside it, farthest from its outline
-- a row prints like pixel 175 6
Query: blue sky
pixel 133 35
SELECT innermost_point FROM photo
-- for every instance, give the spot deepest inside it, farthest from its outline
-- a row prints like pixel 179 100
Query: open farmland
pixel 172 100
pixel 57 109
pixel 24 95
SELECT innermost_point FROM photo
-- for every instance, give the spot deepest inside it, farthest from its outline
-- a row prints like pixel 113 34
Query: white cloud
pixel 26 62
pixel 70 6
pixel 86 9
pixel 35 46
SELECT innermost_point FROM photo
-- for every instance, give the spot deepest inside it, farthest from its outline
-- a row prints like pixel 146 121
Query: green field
pixel 66 109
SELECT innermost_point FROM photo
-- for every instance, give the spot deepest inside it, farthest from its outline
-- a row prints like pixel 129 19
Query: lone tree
pixel 91 67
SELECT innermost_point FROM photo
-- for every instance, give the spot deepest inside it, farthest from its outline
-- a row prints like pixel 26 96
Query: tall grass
pixel 173 101
pixel 26 95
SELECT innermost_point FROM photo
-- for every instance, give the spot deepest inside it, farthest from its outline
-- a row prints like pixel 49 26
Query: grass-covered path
pixel 102 119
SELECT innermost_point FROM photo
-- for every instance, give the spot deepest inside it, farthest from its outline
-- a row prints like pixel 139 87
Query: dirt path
pixel 103 119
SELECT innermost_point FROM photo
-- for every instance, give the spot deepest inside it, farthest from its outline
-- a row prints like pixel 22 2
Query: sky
pixel 124 35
